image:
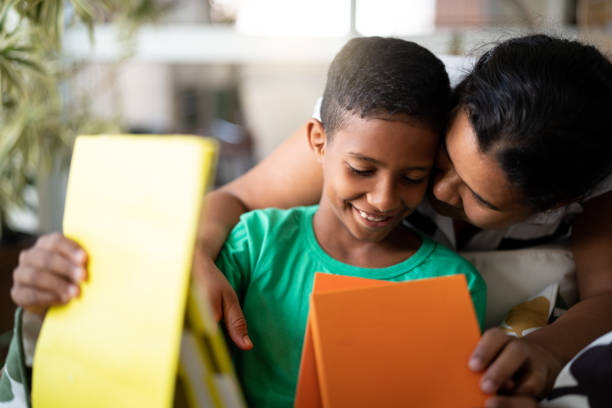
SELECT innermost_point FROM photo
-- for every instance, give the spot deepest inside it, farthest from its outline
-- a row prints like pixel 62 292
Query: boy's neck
pixel 338 242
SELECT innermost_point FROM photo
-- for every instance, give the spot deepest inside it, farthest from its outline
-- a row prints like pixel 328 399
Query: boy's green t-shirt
pixel 270 258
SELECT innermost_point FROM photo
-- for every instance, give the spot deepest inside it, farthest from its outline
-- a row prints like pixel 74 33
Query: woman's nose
pixel 446 187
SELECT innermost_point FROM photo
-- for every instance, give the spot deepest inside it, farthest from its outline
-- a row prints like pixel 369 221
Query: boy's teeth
pixel 370 218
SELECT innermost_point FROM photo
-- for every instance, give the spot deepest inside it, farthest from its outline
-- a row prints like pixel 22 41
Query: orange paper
pixel 376 343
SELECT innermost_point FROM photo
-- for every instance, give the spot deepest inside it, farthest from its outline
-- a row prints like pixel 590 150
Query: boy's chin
pixel 371 236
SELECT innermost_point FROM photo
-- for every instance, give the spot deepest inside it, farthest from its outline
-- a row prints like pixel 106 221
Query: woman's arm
pixel 592 316
pixel 288 177
pixel 540 355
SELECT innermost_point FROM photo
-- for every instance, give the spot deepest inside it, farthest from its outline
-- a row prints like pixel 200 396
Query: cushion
pixel 517 276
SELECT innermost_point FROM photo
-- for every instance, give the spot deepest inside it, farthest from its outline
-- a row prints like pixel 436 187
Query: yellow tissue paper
pixel 133 203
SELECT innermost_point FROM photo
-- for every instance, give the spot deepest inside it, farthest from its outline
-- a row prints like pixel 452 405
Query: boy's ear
pixel 317 139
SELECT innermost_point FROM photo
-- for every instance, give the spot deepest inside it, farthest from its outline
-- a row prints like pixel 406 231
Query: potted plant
pixel 40 115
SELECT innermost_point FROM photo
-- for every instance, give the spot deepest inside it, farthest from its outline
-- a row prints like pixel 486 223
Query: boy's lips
pixel 374 219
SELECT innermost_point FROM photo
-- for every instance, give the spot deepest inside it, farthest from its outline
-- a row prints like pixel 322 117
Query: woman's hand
pixel 514 366
pixel 288 177
pixel 223 299
pixel 511 402
pixel 50 273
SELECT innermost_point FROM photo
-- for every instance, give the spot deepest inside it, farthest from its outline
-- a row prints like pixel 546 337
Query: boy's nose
pixel 384 197
pixel 446 187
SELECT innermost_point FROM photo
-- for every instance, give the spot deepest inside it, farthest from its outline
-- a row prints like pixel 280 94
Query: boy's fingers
pixel 235 322
pixel 43 260
pixel 65 246
pixel 489 346
pixel 45 281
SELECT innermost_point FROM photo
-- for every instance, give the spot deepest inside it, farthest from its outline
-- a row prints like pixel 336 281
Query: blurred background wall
pixel 260 64
pixel 248 72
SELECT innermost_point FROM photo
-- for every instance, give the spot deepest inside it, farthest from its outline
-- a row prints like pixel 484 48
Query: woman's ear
pixel 317 139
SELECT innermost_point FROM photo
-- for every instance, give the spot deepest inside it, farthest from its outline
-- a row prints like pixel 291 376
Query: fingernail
pixel 488 387
pixel 80 255
pixel 78 274
pixel 247 341
pixel 72 290
pixel 474 364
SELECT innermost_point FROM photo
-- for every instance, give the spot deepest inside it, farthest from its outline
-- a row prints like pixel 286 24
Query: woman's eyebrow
pixel 475 194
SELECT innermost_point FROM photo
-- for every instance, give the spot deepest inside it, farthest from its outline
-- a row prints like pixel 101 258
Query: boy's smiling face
pixel 375 173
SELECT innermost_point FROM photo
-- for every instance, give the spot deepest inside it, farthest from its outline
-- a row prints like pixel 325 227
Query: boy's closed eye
pixel 415 180
pixel 360 172
pixel 421 177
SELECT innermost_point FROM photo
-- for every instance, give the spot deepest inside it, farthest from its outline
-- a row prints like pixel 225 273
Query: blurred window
pixel 394 18
pixel 315 18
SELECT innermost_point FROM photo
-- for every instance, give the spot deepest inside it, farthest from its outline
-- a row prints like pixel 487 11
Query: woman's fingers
pixel 235 322
pixel 539 375
pixel 223 299
pixel 45 281
pixel 511 402
pixel 513 365
pixel 37 261
pixel 65 248
pixel 49 273
pixel 33 299
pixel 508 363
pixel 487 349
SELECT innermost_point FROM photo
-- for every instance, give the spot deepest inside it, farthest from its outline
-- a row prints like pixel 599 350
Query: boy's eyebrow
pixel 475 194
pixel 360 156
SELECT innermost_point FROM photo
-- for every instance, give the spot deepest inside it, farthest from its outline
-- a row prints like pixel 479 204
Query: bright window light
pixel 392 17
pixel 313 18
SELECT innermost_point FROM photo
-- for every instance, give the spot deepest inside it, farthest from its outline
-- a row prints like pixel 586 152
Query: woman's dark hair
pixel 374 76
pixel 543 107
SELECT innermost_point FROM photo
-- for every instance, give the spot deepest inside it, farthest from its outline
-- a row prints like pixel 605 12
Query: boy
pixel 383 108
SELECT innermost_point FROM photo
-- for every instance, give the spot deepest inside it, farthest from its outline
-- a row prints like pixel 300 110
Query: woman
pixel 527 159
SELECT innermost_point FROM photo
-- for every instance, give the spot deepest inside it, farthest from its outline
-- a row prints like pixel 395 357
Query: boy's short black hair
pixel 376 76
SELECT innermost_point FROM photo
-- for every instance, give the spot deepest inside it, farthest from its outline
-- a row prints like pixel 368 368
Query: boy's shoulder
pixel 277 219
pixel 280 228
pixel 443 253
pixel 278 215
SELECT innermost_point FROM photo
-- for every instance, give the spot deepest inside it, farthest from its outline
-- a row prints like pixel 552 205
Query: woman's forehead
pixel 480 172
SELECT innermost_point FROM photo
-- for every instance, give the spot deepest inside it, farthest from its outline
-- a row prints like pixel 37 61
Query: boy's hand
pixel 49 273
pixel 223 299
pixel 515 366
